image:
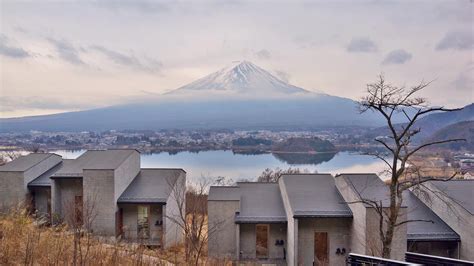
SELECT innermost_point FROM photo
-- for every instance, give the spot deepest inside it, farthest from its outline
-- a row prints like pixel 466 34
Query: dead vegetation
pixel 24 241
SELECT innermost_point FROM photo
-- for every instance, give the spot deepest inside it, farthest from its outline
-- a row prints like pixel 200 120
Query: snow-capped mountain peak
pixel 240 79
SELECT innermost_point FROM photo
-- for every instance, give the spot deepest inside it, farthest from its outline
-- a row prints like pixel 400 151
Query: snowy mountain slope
pixel 242 79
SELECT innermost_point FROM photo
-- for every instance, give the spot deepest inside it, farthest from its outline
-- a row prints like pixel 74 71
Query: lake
pixel 249 166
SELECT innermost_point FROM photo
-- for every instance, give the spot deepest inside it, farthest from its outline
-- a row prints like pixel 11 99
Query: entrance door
pixel 143 221
pixel 78 202
pixel 262 240
pixel 321 246
pixel 119 222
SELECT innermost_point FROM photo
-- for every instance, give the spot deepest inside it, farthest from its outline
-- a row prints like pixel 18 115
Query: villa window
pixel 143 222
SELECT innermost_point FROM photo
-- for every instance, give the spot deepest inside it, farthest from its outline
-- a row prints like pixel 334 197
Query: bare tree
pixel 80 215
pixel 8 156
pixel 192 218
pixel 388 101
pixel 35 148
pixel 272 175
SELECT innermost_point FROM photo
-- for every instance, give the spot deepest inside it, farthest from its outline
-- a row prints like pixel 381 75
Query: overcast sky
pixel 65 55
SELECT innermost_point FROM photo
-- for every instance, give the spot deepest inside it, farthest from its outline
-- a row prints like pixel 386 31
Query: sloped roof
pixel 23 163
pixel 460 190
pixel 94 159
pixel 432 228
pixel 224 193
pixel 314 195
pixel 260 203
pixel 369 187
pixel 151 186
pixel 44 179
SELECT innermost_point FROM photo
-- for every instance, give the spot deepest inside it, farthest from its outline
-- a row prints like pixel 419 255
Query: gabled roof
pixel 25 162
pixel 431 227
pixel 151 186
pixel 44 179
pixel 260 203
pixel 224 193
pixel 314 195
pixel 369 187
pixel 94 160
pixel 460 191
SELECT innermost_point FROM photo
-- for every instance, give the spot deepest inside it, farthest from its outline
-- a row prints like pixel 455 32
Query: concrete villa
pixel 303 219
pixel 105 190
pixel 317 218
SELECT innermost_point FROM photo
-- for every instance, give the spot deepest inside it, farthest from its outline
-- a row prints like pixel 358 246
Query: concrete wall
pixel 14 184
pixel 130 227
pixel 374 244
pixel 221 215
pixel 365 238
pixel 453 214
pixel 64 192
pixel 125 174
pixel 12 191
pixel 99 199
pixel 248 241
pixel 358 226
pixel 291 230
pixel 174 233
pixel 277 232
pixel 338 230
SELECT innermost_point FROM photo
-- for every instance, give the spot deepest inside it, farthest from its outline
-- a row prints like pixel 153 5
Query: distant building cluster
pixel 156 141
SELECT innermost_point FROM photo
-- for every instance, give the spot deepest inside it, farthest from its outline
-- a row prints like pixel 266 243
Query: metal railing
pixel 364 260
pixel 435 260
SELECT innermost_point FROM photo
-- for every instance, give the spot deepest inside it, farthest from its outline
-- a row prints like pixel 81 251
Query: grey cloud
pixel 147 64
pixel 465 80
pixel 399 56
pixel 263 54
pixel 283 75
pixel 142 6
pixel 11 51
pixel 456 40
pixel 17 103
pixel 66 51
pixel 364 45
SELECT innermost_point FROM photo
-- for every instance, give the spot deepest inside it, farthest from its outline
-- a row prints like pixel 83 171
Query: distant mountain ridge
pixel 433 122
pixel 460 130
pixel 243 96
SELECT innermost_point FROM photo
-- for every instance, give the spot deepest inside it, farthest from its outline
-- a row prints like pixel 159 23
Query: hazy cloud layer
pixel 364 45
pixel 263 54
pixel 120 48
pixel 66 51
pixel 148 64
pixel 11 51
pixel 457 40
pixel 397 57
pixel 29 102
pixel 283 75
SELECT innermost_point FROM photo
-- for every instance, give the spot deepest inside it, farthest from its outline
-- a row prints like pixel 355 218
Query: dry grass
pixel 22 241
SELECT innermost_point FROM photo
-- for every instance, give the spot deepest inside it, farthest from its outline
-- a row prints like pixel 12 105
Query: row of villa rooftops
pixel 150 185
pixel 304 195
pixel 318 196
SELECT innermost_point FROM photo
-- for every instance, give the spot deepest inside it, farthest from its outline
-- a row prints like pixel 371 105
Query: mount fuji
pixel 241 96
pixel 242 80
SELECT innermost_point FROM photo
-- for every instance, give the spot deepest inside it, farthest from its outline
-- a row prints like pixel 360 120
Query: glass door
pixel 143 222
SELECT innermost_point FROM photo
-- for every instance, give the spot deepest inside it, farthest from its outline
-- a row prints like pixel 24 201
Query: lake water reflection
pixel 249 166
